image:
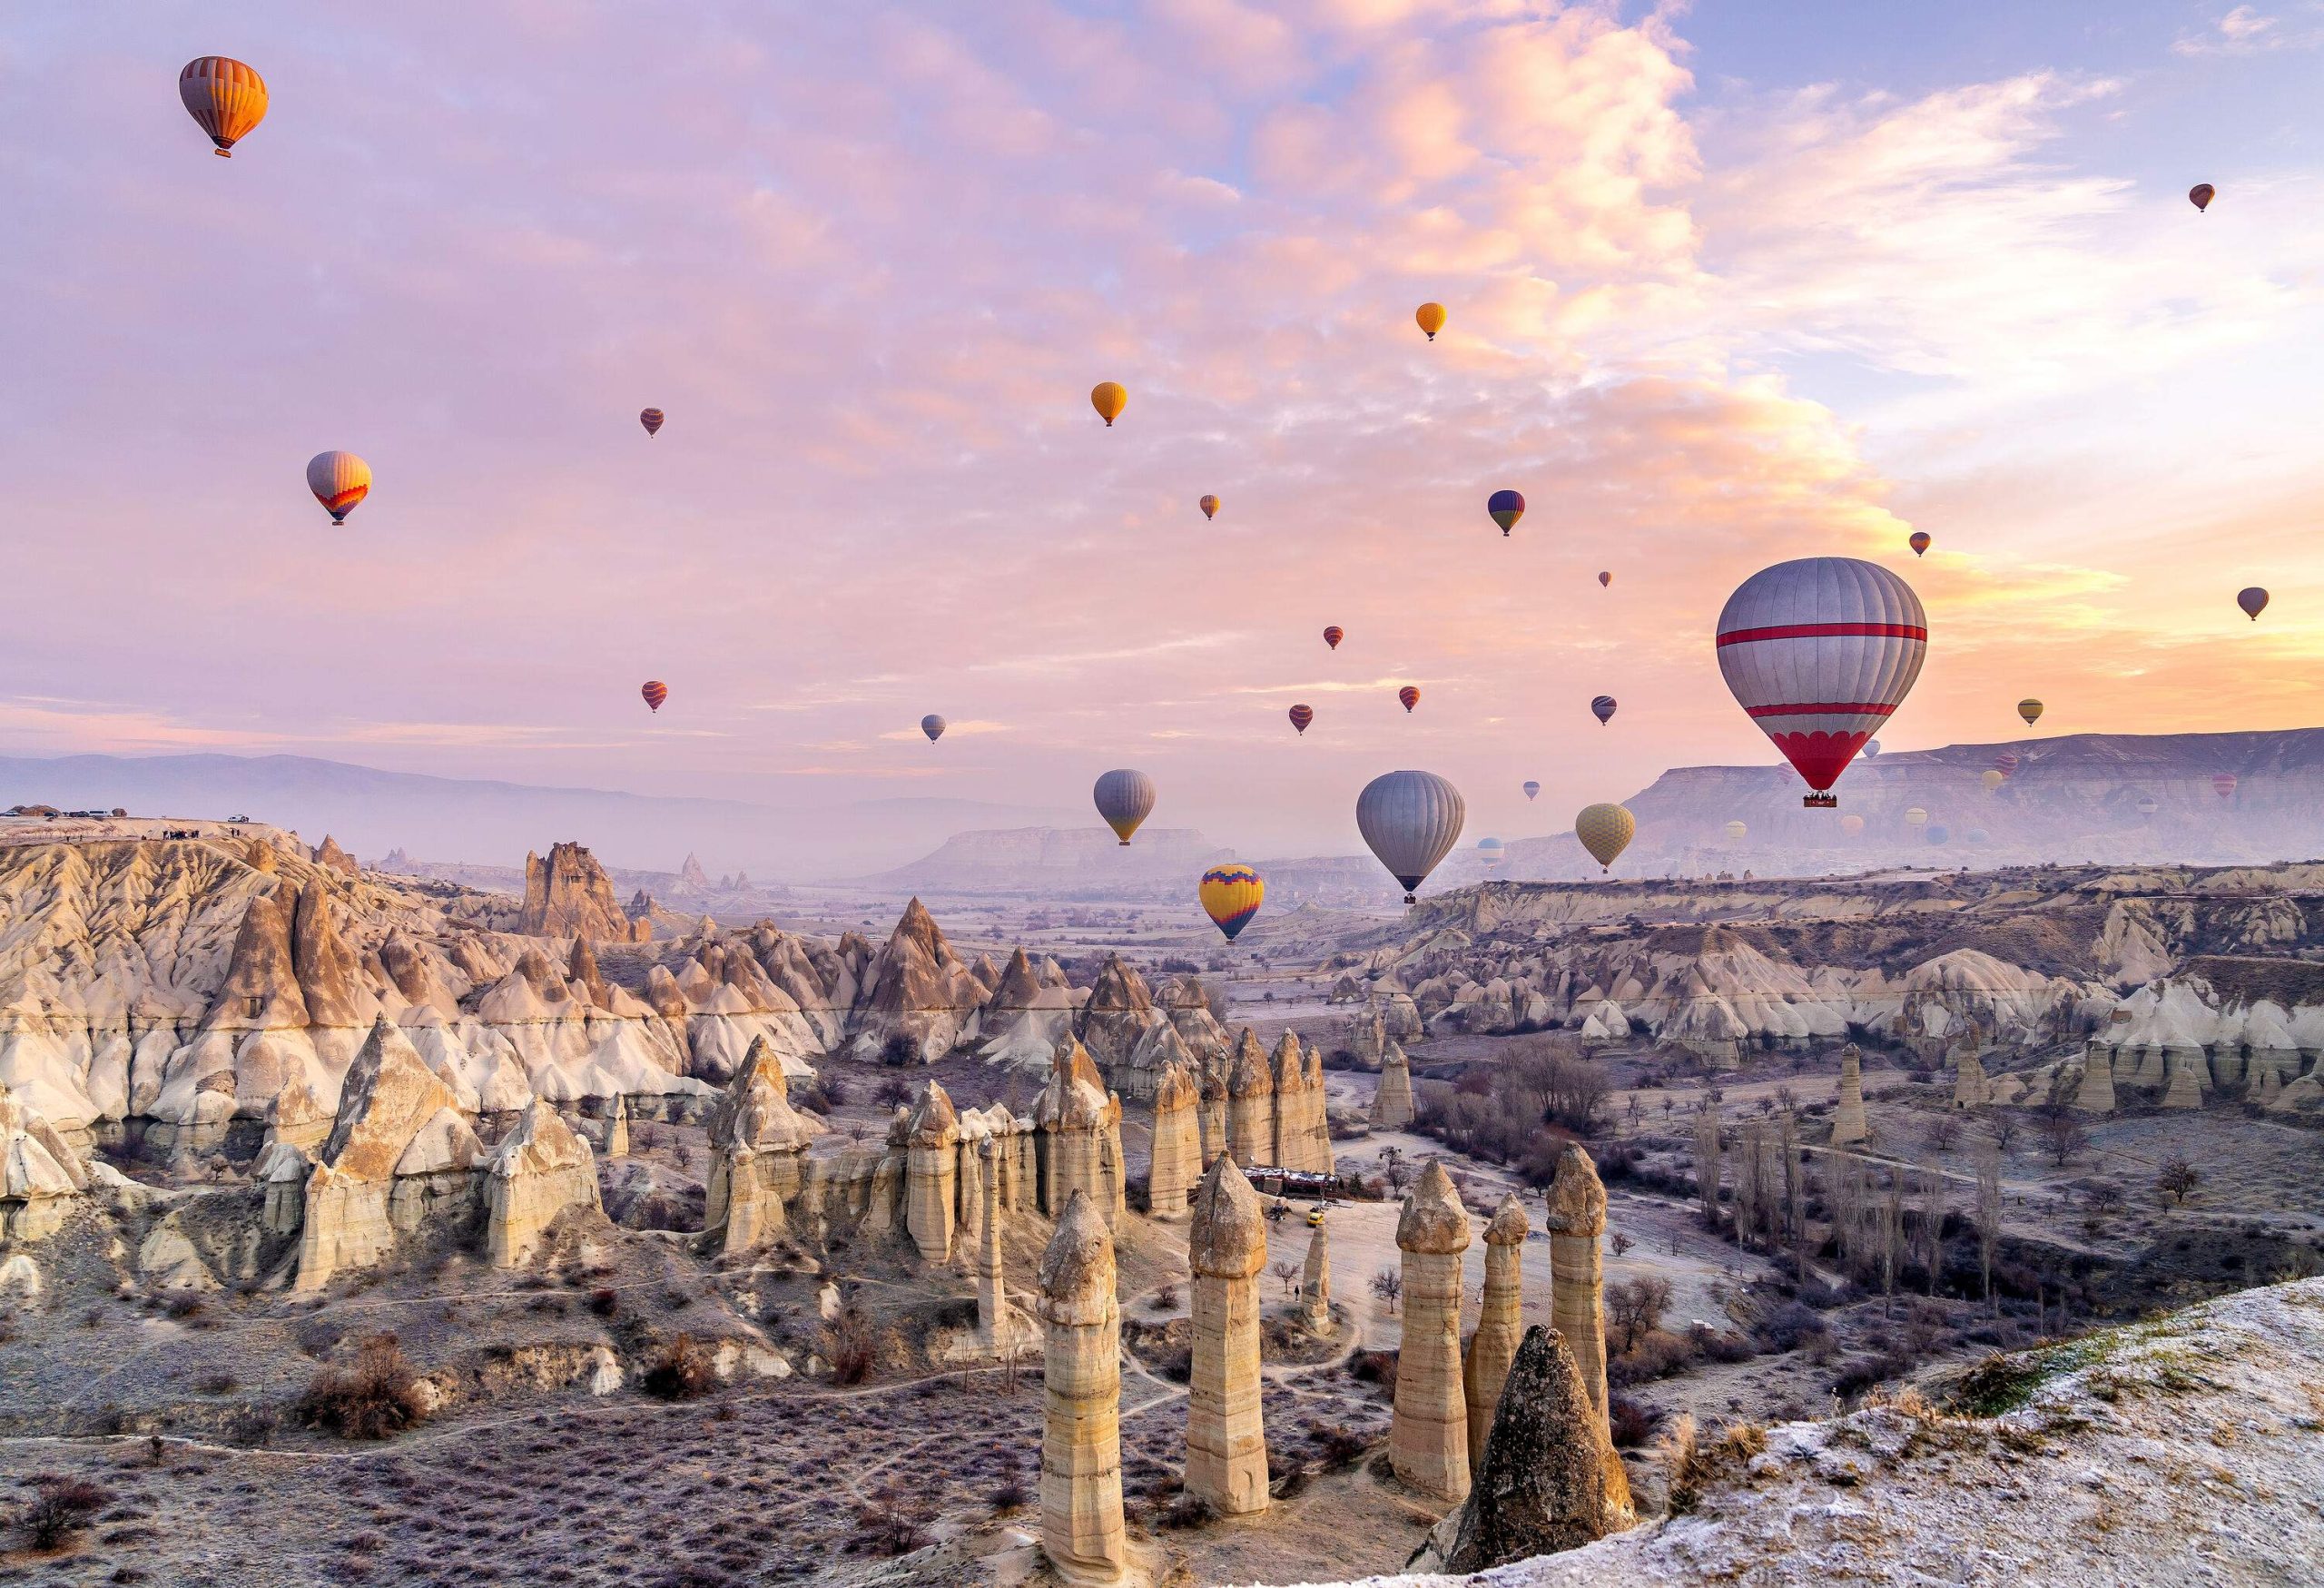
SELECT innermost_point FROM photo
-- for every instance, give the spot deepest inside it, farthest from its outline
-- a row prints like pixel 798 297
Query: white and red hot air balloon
pixel 1819 652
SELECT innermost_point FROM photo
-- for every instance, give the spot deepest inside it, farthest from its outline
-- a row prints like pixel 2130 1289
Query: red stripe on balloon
pixel 1831 708
pixel 1824 631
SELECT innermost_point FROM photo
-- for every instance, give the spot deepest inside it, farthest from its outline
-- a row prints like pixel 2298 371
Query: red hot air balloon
pixel 2253 600
pixel 1409 695
pixel 1919 540
pixel 1333 634
pixel 655 692
pixel 1819 652
pixel 1300 715
pixel 1602 708
pixel 651 419
pixel 2006 763
pixel 2223 784
pixel 2200 195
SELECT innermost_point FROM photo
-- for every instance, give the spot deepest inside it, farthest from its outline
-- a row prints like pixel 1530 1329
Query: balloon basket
pixel 1125 844
pixel 224 154
pixel 1821 802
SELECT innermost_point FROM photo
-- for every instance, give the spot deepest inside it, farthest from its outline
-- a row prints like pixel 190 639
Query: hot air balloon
pixel 339 481
pixel 933 726
pixel 1125 798
pixel 1605 831
pixel 2223 784
pixel 1532 789
pixel 1939 833
pixel 1333 634
pixel 2253 600
pixel 1108 399
pixel 1430 318
pixel 1504 507
pixel 1605 580
pixel 1871 748
pixel 1916 817
pixel 225 98
pixel 2149 805
pixel 1819 652
pixel 1409 695
pixel 651 419
pixel 1409 820
pixel 1602 707
pixel 1978 835
pixel 1489 850
pixel 1991 779
pixel 1851 824
pixel 1919 540
pixel 2200 195
pixel 1230 896
pixel 1736 830
pixel 654 692
pixel 2031 710
pixel 1300 715
pixel 1209 506
pixel 2006 763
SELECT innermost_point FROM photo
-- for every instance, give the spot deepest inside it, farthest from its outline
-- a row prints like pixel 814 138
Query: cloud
pixel 2245 31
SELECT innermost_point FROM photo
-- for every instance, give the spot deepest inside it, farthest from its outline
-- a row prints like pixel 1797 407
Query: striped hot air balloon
pixel 1410 696
pixel 1209 506
pixel 1602 707
pixel 2030 709
pixel 1605 580
pixel 339 481
pixel 2149 805
pixel 1333 634
pixel 933 726
pixel 1231 895
pixel 650 418
pixel 225 98
pixel 1819 652
pixel 1108 398
pixel 2006 763
pixel 1992 777
pixel 1409 820
pixel 1916 817
pixel 1919 540
pixel 1125 797
pixel 1532 789
pixel 654 692
pixel 1504 507
pixel 1605 831
pixel 2223 784
pixel 1300 715
pixel 1490 850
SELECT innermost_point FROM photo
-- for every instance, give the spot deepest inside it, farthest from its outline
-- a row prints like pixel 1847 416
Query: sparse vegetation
pixel 59 1508
pixel 380 1393
pixel 680 1371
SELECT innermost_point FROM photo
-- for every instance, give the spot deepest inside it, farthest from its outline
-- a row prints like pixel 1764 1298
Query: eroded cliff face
pixel 568 894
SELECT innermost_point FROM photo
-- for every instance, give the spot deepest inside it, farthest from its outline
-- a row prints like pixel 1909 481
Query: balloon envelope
pixel 1409 695
pixel 1939 833
pixel 1916 817
pixel 1736 829
pixel 1125 798
pixel 1230 896
pixel 225 98
pixel 1605 580
pixel 1605 831
pixel 2149 805
pixel 1532 789
pixel 1333 634
pixel 2223 784
pixel 1992 778
pixel 2031 710
pixel 1505 508
pixel 1430 318
pixel 339 481
pixel 1819 652
pixel 1851 824
pixel 1300 715
pixel 1108 399
pixel 1490 850
pixel 1871 748
pixel 1602 708
pixel 1209 506
pixel 654 692
pixel 933 726
pixel 2253 600
pixel 1409 820
pixel 2006 763
pixel 651 419
pixel 2200 195
pixel 1919 540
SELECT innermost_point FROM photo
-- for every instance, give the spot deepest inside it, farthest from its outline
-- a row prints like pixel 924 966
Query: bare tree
pixel 2177 1181
pixel 1388 1285
pixel 2006 1127
pixel 1288 1275
pixel 1635 1306
pixel 2061 1133
pixel 1620 1242
pixel 1706 1145
pixel 1944 1135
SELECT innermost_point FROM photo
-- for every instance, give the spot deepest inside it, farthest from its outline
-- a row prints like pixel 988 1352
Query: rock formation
pixel 992 1293
pixel 568 894
pixel 1577 1218
pixel 1081 1456
pixel 1250 1104
pixel 1315 1283
pixel 1177 1155
pixel 2188 1072
pixel 329 855
pixel 1392 1104
pixel 540 1170
pixel 40 1174
pixel 1969 1086
pixel 1029 1014
pixel 1227 1445
pixel 1079 1124
pixel 617 1129
pixel 1119 1014
pixel 1849 1126
pixel 2096 1092
pixel 921 998
pixel 1499 1322
pixel 1542 1481
pixel 758 1144
pixel 1428 1434
pixel 930 1172
pixel 1214 1115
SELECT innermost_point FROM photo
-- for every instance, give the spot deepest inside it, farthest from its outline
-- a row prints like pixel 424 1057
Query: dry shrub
pixel 1375 1367
pixel 376 1396
pixel 849 1344
pixel 59 1508
pixel 1337 1447
pixel 1188 1511
pixel 680 1372
pixel 1630 1424
pixel 1695 1466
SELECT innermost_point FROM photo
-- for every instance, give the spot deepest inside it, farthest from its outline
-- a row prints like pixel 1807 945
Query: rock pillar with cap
pixel 1082 1446
pixel 992 1295
pixel 1227 1441
pixel 1315 1284
pixel 931 1166
pixel 1577 1218
pixel 1848 1126
pixel 1428 1433
pixel 1499 1323
pixel 2096 1093
pixel 1177 1159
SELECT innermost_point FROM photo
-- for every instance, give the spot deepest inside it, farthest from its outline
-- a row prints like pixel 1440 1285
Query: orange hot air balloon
pixel 2200 195
pixel 655 692
pixel 1852 824
pixel 1919 540
pixel 1108 399
pixel 1605 580
pixel 1409 695
pixel 1300 715
pixel 225 98
pixel 652 420
pixel 1333 634
pixel 341 480
pixel 1209 506
pixel 1430 318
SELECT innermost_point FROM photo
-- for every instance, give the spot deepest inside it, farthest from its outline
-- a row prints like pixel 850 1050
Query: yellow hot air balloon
pixel 1430 318
pixel 225 98
pixel 1230 896
pixel 1736 830
pixel 1605 831
pixel 1108 399
pixel 1916 817
pixel 2030 709
pixel 1209 506
pixel 1992 779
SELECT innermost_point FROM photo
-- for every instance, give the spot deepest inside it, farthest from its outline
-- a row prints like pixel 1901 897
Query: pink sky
pixel 871 259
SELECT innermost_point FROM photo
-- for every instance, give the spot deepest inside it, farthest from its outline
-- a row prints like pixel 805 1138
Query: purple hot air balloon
pixel 1602 708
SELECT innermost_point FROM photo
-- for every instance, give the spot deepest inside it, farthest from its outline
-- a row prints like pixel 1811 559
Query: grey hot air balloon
pixel 933 726
pixel 1125 798
pixel 1411 820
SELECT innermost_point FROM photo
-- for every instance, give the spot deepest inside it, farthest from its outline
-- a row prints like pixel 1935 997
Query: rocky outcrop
pixel 1301 1138
pixel 1542 1481
pixel 540 1171
pixel 1080 1127
pixel 1970 1089
pixel 1227 1445
pixel 1392 1104
pixel 921 1000
pixel 1030 1012
pixel 1081 1459
pixel 1428 1433
pixel 1250 1103
pixel 758 1145
pixel 1848 1125
pixel 1577 1219
pixel 329 855
pixel 1117 1016
pixel 568 894
pixel 1495 1345
pixel 40 1174
pixel 930 1174
pixel 1315 1283
pixel 2095 1092
pixel 1175 1160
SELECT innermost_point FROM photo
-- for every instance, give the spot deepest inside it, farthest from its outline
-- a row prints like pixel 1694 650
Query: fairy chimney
pixel 931 1167
pixel 1428 1432
pixel 1177 1155
pixel 1315 1283
pixel 1849 1126
pixel 1250 1104
pixel 1227 1446
pixel 1577 1218
pixel 1392 1104
pixel 1499 1325
pixel 1081 1448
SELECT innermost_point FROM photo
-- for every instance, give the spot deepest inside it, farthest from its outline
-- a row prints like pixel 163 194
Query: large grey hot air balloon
pixel 933 726
pixel 1125 798
pixel 1411 820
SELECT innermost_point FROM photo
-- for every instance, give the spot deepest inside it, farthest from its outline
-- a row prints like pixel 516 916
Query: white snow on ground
pixel 2186 1450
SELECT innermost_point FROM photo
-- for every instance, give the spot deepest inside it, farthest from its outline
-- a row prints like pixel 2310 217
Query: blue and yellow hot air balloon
pixel 1230 896
pixel 1504 507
